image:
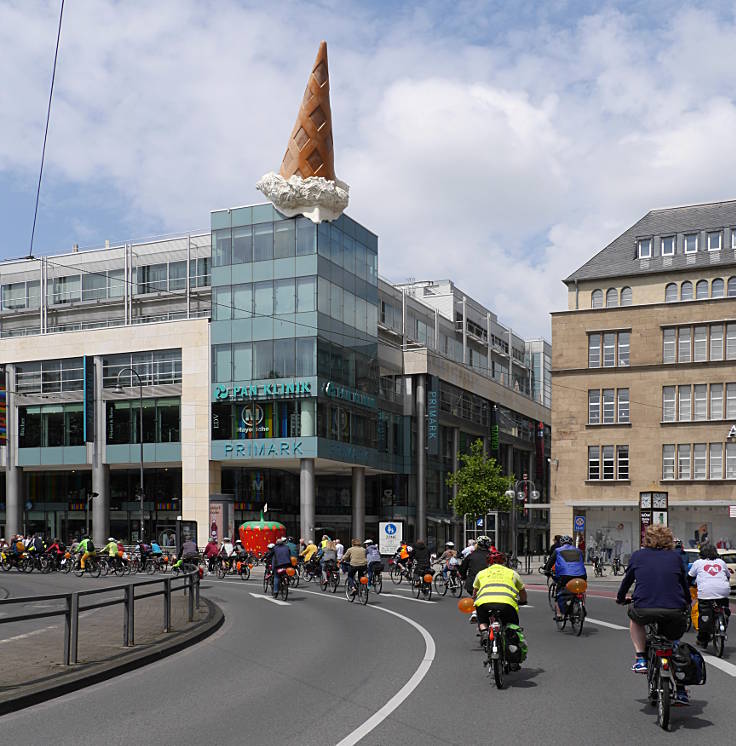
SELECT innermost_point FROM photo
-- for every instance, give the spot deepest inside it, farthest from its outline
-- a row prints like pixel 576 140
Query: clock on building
pixel 659 501
pixel 645 500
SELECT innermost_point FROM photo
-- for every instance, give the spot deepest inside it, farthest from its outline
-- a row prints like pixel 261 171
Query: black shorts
pixel 671 623
pixel 503 613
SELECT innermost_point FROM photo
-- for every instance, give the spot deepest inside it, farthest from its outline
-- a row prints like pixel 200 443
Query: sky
pixel 497 144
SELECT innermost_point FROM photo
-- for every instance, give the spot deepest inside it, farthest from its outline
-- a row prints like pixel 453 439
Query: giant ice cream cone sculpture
pixel 306 184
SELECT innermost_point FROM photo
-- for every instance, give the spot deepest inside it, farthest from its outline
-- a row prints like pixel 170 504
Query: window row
pixel 696 403
pixel 608 406
pixel 690 244
pixel 154 367
pixel 50 376
pixel 608 463
pixel 264 241
pixel 158 278
pixel 608 350
pixel 703 290
pixel 268 298
pixel 272 358
pixel 699 344
pixel 342 305
pixel 698 461
pixel 613 299
pixel 160 421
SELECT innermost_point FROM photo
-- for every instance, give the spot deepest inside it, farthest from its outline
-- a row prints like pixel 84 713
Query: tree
pixel 481 488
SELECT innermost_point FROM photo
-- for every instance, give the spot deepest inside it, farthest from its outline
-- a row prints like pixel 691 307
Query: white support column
pixel 358 502
pixel 306 498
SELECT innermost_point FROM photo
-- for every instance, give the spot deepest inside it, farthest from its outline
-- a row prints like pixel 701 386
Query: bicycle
pixel 598 567
pixel 575 608
pixel 552 588
pixel 376 583
pixel 398 573
pixel 616 565
pixel 422 585
pixel 189 564
pixel 720 624
pixel 330 578
pixel 453 582
pixel 283 591
pixel 357 590
pixel 91 567
pixel 493 642
pixel 243 568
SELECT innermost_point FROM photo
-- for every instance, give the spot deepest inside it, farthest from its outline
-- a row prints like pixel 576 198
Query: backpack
pixel 688 664
pixel 516 647
pixel 90 546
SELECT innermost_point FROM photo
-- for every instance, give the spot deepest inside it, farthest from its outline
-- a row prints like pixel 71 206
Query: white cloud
pixel 502 165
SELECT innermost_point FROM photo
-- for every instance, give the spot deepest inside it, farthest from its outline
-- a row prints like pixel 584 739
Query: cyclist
pixel 497 590
pixel 55 552
pixel 568 563
pixel 111 550
pixel 340 550
pixel 280 558
pixel 682 554
pixel 401 558
pixel 661 595
pixel 357 562
pixel 711 576
pixel 293 548
pixel 226 552
pixel 473 562
pixel 446 557
pixel 470 548
pixel 422 560
pixel 307 553
pixel 87 549
pixel 188 553
pixel 211 551
pixel 327 558
pixel 373 557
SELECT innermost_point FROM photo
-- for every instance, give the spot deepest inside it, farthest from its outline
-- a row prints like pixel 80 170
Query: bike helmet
pixel 270 546
pixel 226 538
pixel 110 538
pixel 368 541
pixel 566 540
pixel 450 544
pixel 483 542
pixel 496 558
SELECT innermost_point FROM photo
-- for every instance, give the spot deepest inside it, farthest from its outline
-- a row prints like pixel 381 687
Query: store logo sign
pixel 336 391
pixel 271 449
pixel 731 432
pixel 263 390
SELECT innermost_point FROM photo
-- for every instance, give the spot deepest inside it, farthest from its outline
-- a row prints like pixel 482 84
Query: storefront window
pixel 161 421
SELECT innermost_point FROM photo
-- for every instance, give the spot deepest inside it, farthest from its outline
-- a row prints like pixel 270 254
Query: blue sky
pixel 498 144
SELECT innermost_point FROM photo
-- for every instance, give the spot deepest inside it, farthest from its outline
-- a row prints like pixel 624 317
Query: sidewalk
pixel 33 669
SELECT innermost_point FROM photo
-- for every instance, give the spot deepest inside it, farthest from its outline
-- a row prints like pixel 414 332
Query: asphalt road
pixel 320 669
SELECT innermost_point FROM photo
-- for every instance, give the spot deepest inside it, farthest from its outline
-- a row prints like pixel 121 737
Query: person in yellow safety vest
pixel 497 590
pixel 306 554
pixel 87 549
pixel 323 543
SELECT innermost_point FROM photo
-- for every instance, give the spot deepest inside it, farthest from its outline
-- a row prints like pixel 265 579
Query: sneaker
pixel 681 698
pixel 640 666
pixel 557 618
pixel 473 618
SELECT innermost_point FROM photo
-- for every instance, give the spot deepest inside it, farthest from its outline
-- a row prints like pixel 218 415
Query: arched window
pixel 701 289
pixel 611 298
pixel 596 299
pixel 686 290
pixel 731 287
pixel 716 289
pixel 626 296
pixel 670 293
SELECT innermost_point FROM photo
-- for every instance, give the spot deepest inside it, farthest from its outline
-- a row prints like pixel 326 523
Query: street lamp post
pixel 515 495
pixel 91 496
pixel 119 390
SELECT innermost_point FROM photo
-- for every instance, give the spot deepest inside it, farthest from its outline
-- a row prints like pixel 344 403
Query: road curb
pixel 79 676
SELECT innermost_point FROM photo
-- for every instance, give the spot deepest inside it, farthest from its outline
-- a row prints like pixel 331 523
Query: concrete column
pixel 13 474
pixel 465 330
pixel 358 502
pixel 457 532
pixel 100 470
pixel 308 418
pixel 421 411
pixel 306 498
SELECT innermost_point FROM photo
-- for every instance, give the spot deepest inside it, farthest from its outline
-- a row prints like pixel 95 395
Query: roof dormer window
pixel 645 248
pixel 714 241
pixel 668 246
pixel 691 243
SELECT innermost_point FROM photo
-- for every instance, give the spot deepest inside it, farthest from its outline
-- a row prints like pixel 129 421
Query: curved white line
pixel 378 717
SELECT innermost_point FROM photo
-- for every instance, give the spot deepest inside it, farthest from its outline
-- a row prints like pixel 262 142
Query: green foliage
pixel 480 485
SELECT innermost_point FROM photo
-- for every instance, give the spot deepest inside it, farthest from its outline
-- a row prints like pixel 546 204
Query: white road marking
pixel 272 600
pixel 378 717
pixel 724 666
pixel 28 634
pixel 601 623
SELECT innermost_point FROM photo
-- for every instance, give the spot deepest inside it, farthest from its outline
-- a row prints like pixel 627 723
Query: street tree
pixel 481 488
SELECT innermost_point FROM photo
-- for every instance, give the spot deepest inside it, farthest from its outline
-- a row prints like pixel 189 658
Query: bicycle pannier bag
pixel 516 647
pixel 688 665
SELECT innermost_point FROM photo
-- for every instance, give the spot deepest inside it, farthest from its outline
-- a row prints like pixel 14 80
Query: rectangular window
pixel 284 239
pixel 94 286
pixel 623 405
pixel 177 276
pixel 669 345
pixel 608 463
pixel 731 401
pixel 262 242
pixel 243 301
pixel 730 460
pixel 594 463
pixel 716 401
pixel 262 359
pixel 716 461
pixel 622 462
pixel 623 349
pixel 683 461
pixel 283 292
pixel 668 404
pixel 594 350
pixel 683 351
pixel 645 248
pixel 700 344
pixel 221 303
pixel 609 350
pixel 306 357
pixel 699 461
pixel 221 363
pixel 716 342
pixel 306 294
pixel 609 407
pixel 306 237
pixel 691 243
pixel 594 407
pixel 685 413
pixel 714 241
pixel 263 295
pixel 243 244
pixel 284 364
pixel 700 401
pixel 668 461
pixel 730 341
pixel 668 246
pixel 242 361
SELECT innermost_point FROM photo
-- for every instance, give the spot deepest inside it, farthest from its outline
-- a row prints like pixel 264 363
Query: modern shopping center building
pixel 275 367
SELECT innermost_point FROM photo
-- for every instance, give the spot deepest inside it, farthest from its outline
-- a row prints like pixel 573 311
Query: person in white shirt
pixel 712 578
pixel 227 549
pixel 468 549
pixel 340 549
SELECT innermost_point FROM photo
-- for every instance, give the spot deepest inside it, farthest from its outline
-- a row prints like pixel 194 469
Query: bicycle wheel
pixel 456 588
pixel 561 622
pixel 440 584
pixel 266 583
pixel 396 575
pixel 244 572
pixel 378 582
pixel 363 593
pixel 577 616
pixel 104 568
pixel 551 594
pixel 94 569
pixel 718 644
pixel 78 571
pixel 283 589
pixel 427 591
pixel 416 587
pixel 324 582
pixel 498 672
pixel 334 580
pixel 221 570
pixel 349 592
pixel 664 694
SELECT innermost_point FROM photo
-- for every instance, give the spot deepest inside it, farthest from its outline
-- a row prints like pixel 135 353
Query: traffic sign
pixel 479 522
pixel 579 524
pixel 732 511
pixel 390 534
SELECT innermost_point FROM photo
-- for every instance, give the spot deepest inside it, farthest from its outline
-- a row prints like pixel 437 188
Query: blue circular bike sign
pixel 390 529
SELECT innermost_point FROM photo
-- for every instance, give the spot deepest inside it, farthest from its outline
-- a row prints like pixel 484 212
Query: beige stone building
pixel 644 383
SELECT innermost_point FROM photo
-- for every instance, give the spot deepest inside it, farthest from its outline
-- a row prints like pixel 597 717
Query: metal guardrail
pixel 72 608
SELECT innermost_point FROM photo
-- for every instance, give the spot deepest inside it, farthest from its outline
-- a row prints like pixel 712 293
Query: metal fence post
pixel 191 598
pixel 196 580
pixel 74 629
pixel 167 605
pixel 130 593
pixel 67 627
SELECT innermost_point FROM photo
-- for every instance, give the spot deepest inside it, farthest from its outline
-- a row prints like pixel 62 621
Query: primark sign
pixel 268 390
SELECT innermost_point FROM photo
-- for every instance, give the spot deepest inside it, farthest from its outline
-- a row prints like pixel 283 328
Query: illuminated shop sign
pixel 270 448
pixel 336 391
pixel 263 390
